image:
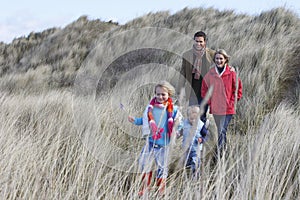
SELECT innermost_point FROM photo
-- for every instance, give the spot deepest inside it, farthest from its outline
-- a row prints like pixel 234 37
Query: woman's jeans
pixel 222 122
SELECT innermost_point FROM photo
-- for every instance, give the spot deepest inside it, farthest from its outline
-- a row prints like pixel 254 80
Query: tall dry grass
pixel 60 144
pixel 50 150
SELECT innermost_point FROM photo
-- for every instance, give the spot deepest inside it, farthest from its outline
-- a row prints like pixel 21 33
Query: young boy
pixel 194 133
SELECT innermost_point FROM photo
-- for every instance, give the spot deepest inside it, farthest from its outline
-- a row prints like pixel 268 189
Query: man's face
pixel 200 42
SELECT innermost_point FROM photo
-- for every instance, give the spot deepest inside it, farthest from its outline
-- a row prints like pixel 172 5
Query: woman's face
pixel 161 94
pixel 220 60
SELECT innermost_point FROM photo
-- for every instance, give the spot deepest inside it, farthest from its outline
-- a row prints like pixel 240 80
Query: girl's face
pixel 161 94
pixel 220 60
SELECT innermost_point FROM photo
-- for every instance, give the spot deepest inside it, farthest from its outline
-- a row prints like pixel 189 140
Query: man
pixel 195 64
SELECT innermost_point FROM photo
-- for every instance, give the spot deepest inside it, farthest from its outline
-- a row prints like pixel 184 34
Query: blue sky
pixel 20 17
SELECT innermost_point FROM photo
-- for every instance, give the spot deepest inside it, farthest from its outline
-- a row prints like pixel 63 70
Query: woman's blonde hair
pixel 223 52
pixel 167 86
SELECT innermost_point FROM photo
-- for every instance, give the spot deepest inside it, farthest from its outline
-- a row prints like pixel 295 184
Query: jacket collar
pixel 215 72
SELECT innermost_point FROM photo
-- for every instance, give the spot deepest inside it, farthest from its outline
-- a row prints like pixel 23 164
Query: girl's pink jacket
pixel 223 97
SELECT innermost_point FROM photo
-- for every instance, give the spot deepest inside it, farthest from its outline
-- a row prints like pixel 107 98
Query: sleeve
pixel 237 87
pixel 211 55
pixel 145 127
pixel 186 62
pixel 182 75
pixel 240 90
pixel 203 132
pixel 204 87
pixel 138 121
pixel 179 120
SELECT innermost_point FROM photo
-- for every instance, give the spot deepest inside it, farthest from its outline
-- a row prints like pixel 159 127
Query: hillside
pixel 55 55
pixel 63 135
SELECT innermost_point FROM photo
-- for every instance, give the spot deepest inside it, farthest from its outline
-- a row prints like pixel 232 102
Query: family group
pixel 204 72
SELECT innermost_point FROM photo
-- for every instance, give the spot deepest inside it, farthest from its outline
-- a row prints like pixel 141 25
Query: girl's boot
pixel 161 184
pixel 146 181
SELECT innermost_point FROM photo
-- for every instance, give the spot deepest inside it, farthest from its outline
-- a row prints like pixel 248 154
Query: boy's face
pixel 161 94
pixel 193 116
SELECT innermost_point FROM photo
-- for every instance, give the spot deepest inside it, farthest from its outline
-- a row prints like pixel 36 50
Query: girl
pixel 158 122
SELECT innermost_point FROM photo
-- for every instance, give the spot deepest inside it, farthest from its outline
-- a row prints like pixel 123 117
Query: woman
pixel 226 91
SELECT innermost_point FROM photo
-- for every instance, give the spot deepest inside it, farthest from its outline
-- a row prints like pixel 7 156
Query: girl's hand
pixel 131 119
pixel 153 127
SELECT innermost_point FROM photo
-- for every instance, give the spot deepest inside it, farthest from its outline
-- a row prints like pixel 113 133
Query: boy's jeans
pixel 192 160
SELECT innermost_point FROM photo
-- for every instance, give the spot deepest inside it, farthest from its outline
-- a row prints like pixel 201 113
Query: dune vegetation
pixel 64 135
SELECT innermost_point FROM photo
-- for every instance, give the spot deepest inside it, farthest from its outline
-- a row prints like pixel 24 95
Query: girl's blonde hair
pixel 222 52
pixel 167 86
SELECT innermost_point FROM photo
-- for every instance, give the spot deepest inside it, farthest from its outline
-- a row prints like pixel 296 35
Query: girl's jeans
pixel 159 154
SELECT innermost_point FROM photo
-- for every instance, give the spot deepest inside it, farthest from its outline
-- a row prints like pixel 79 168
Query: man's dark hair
pixel 200 34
